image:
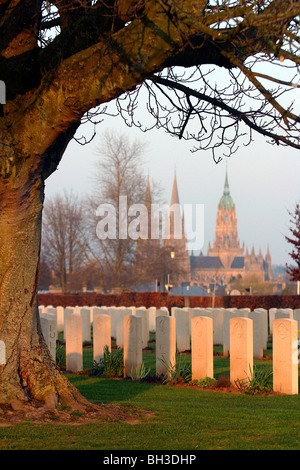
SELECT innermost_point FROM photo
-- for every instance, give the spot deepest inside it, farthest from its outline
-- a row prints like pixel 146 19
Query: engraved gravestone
pixel 202 347
pixel 49 330
pixel 60 319
pixel 119 326
pixel 67 311
pixel 144 314
pixel 285 356
pixel 132 344
pixel 258 332
pixel 241 348
pixel 86 323
pixel 165 344
pixel 152 316
pixel 217 315
pixel 101 335
pixel 182 328
pixel 73 325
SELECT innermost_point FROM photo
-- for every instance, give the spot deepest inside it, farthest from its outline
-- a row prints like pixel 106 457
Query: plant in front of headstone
pixel 139 374
pixel 180 371
pixel 259 381
pixel 206 382
pixel 110 365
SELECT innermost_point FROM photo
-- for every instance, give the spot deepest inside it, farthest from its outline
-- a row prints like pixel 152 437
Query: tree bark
pixel 28 373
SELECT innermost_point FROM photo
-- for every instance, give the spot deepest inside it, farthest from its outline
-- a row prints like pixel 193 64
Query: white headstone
pixel 265 325
pixel 98 311
pixel 182 329
pixel 165 344
pixel 101 335
pixel 202 347
pixel 297 317
pixel 74 360
pixel 86 323
pixel 272 312
pixel 60 319
pixel 160 312
pixel 258 334
pixel 280 313
pixel 144 314
pixel 113 312
pixel 241 348
pixel 199 312
pixel 49 330
pixel 285 356
pixel 152 317
pixel 119 327
pixel 227 315
pixel 67 311
pixel 217 315
pixel 132 351
pixel 165 308
pixel 284 313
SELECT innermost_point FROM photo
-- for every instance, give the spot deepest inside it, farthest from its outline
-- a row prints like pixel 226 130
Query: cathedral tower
pixel 147 242
pixel 226 244
pixel 176 254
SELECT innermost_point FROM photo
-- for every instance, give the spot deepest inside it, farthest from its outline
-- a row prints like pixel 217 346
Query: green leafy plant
pixel 206 382
pixel 140 374
pixel 180 371
pixel 258 381
pixel 111 365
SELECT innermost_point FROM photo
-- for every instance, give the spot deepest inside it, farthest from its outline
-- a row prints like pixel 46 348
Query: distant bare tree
pixel 63 227
pixel 120 173
pixel 45 277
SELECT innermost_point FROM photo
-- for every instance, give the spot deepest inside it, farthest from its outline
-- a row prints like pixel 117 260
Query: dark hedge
pixel 160 299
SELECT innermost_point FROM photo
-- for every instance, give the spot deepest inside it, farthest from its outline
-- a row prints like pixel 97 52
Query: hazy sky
pixel 263 180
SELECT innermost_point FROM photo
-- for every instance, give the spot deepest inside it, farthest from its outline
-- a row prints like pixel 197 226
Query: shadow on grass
pixel 110 390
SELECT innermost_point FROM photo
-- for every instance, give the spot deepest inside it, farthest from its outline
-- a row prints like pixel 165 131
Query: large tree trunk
pixel 28 373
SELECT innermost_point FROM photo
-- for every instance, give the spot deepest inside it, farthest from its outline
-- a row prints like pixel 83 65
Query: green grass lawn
pixel 181 418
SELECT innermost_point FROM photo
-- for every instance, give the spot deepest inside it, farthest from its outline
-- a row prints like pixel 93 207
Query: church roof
pixel 238 262
pixel 214 262
pixel 206 262
pixel 226 201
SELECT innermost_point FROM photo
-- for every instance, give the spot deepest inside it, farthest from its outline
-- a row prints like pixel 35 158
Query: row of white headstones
pixel 242 333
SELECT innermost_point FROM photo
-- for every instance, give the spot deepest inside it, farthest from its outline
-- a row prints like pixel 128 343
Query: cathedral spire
pixel 174 243
pixel 148 200
pixel 148 194
pixel 226 201
pixel 175 197
pixel 226 185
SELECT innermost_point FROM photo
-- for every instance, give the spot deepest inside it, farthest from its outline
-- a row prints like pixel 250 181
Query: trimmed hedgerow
pixel 160 299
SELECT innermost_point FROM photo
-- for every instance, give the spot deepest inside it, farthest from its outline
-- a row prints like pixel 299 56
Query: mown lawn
pixel 182 418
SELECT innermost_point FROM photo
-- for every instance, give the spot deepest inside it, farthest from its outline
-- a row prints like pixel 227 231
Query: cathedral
pixel 225 260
